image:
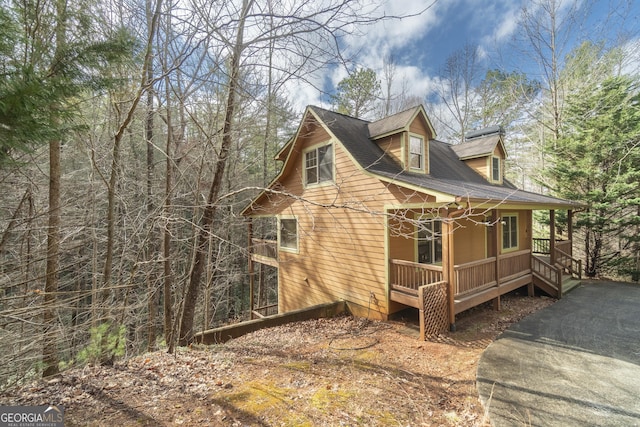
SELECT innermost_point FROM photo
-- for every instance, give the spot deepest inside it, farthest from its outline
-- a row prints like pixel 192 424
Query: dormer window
pixel 495 169
pixel 416 152
pixel 319 165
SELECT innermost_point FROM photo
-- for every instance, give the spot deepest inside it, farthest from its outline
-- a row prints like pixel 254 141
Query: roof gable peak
pixel 398 122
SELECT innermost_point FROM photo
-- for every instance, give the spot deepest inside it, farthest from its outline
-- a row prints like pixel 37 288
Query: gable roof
pixel 448 174
pixel 397 122
pixel 449 178
pixel 481 147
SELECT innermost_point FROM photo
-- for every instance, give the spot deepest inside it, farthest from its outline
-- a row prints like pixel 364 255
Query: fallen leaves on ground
pixel 343 371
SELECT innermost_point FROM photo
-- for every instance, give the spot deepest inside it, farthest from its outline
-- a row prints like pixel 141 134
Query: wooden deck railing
pixel 408 276
pixel 264 311
pixel 550 273
pixel 514 264
pixel 565 246
pixel 569 263
pixel 265 248
pixel 474 276
pixel 541 246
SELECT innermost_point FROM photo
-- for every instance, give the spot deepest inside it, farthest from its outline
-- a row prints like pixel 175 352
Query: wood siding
pixel 470 240
pixel 392 145
pixel 480 165
pixel 341 251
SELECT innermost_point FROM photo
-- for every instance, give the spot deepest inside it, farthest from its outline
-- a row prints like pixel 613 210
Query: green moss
pixel 298 366
pixel 331 398
pixel 263 399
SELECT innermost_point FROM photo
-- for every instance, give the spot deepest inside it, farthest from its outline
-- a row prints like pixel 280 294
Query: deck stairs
pixel 569 283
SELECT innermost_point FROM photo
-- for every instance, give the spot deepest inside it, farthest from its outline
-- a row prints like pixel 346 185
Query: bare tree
pixel 308 34
pixel 458 78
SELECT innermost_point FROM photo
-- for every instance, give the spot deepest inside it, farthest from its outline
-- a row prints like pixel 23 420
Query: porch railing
pixel 264 311
pixel 565 247
pixel 474 276
pixel 550 273
pixel 514 264
pixel 265 248
pixel 408 276
pixel 543 246
pixel 569 263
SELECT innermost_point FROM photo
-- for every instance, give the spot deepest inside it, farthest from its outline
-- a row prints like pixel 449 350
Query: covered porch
pixel 452 283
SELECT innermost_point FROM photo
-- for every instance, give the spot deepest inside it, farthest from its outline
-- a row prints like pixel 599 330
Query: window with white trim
pixel 416 152
pixel 318 165
pixel 288 233
pixel 510 232
pixel 430 242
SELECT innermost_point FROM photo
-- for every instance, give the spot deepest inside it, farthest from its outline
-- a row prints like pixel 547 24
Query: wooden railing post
pixel 496 240
pixel 447 268
pixel 552 237
pixel 421 312
pixel 251 268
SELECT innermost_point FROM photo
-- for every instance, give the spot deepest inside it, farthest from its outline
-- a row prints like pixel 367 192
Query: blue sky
pixel 422 43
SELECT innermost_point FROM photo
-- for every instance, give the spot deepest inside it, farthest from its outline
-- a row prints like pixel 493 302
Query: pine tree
pixel 597 161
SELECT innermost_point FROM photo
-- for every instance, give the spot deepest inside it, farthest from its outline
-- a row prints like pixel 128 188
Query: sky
pixel 421 43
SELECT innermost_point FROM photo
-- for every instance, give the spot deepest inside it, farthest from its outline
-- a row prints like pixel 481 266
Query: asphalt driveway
pixel 575 363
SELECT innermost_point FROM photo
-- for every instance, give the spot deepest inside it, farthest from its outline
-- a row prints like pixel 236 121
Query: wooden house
pixel 384 216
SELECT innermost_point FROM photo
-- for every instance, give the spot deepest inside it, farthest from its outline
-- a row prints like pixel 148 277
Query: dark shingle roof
pixel 392 123
pixel 478 147
pixel 448 174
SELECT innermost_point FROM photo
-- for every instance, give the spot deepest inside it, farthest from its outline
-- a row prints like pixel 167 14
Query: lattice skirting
pixel 435 313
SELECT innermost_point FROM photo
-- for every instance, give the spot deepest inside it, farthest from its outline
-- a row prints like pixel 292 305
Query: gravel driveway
pixel 575 363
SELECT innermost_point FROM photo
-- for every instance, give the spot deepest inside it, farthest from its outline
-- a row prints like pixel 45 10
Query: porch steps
pixel 568 283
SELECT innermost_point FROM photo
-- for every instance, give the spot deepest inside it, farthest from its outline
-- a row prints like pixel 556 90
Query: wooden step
pixel 568 283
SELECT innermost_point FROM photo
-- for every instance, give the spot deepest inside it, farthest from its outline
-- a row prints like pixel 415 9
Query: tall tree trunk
pixel 115 160
pixel 151 251
pixel 191 296
pixel 49 350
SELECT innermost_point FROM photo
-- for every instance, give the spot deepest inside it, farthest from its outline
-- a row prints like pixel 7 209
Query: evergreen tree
pixel 357 94
pixel 597 161
pixel 36 74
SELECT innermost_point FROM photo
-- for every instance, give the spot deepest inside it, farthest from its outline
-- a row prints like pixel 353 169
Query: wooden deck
pixel 264 251
pixel 480 281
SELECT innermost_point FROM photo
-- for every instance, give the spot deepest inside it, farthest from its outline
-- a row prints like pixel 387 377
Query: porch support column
pixel 496 250
pixel 251 268
pixel 447 266
pixel 570 230
pixel 552 236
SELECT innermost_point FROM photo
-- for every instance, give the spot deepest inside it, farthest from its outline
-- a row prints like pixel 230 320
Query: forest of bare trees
pixel 133 134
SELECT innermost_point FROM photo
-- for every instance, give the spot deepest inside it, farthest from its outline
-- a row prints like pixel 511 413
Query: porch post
pixel 447 266
pixel 251 269
pixel 570 230
pixel 496 249
pixel 552 237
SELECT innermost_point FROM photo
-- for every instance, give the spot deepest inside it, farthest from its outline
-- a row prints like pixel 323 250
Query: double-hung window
pixel 319 165
pixel 289 234
pixel 416 152
pixel 495 169
pixel 510 232
pixel 430 242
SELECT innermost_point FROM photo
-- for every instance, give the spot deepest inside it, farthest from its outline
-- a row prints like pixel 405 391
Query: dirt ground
pixel 329 372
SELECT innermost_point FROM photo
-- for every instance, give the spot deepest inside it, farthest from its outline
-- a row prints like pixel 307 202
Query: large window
pixel 319 164
pixel 430 242
pixel 416 152
pixel 510 232
pixel 495 169
pixel 289 233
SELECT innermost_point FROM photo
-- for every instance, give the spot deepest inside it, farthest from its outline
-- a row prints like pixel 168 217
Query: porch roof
pixel 448 174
